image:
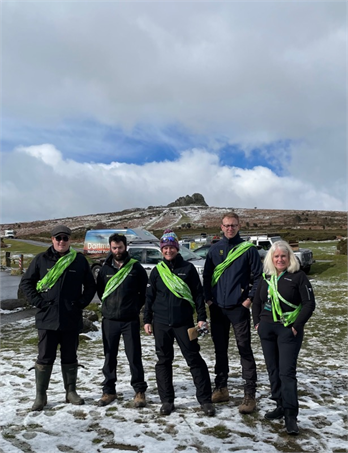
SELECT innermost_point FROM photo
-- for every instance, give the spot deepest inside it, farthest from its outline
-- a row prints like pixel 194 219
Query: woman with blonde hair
pixel 283 303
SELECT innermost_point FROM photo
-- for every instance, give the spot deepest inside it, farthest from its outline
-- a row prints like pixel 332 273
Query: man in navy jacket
pixel 229 299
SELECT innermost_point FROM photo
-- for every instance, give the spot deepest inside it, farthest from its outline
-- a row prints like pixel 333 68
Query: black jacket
pixel 60 308
pixel 233 287
pixel 164 307
pixel 296 289
pixel 125 302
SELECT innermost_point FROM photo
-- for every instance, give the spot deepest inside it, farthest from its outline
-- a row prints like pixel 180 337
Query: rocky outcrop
pixel 196 199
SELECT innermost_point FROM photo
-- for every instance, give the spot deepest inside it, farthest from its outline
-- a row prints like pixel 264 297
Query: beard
pixel 120 256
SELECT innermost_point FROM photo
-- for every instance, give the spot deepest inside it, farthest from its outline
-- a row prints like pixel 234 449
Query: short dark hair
pixel 118 238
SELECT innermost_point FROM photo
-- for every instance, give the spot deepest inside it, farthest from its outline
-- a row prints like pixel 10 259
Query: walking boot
pixel 277 413
pixel 248 405
pixel 70 376
pixel 42 378
pixel 140 399
pixel 106 399
pixel 220 395
pixel 291 422
pixel 208 409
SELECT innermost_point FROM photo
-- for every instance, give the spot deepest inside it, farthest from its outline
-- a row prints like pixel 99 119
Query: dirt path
pixel 9 318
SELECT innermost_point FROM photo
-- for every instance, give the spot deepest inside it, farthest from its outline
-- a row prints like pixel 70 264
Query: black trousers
pixel 281 349
pixel 221 320
pixel 130 331
pixel 164 341
pixel 48 344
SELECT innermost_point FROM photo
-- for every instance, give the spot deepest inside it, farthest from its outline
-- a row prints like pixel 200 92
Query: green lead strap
pixel 285 318
pixel 232 255
pixel 118 278
pixel 175 284
pixel 50 279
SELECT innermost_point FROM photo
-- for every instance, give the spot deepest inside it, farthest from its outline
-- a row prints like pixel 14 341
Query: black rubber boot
pixel 70 376
pixel 277 413
pixel 291 422
pixel 42 378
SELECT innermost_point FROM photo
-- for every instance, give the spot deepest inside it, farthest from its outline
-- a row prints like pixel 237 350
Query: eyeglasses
pixel 62 238
pixel 231 226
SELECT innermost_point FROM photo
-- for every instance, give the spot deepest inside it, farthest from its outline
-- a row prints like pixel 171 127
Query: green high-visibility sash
pixel 278 315
pixel 50 279
pixel 118 278
pixel 232 255
pixel 175 284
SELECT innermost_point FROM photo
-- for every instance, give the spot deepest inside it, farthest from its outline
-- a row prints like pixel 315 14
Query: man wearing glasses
pixel 229 291
pixel 59 283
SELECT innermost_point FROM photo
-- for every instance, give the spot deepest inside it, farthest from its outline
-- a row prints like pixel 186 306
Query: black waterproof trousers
pixel 48 344
pixel 164 341
pixel 112 331
pixel 221 320
pixel 280 349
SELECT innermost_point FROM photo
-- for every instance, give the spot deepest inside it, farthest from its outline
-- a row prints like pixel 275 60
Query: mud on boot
pixel 42 379
pixel 70 377
pixel 248 404
pixel 220 395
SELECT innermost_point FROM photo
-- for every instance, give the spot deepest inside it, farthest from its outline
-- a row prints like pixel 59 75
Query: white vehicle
pixel 304 256
pixel 10 234
pixel 142 246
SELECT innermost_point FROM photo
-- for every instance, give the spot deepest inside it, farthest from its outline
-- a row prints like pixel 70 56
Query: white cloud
pixel 38 183
pixel 252 72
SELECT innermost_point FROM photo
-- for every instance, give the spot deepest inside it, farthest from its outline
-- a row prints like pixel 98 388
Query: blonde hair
pixel 268 266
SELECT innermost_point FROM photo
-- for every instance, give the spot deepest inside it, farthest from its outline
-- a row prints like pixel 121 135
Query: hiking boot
pixel 139 399
pixel 208 409
pixel 291 425
pixel 167 408
pixel 276 414
pixel 248 405
pixel 220 395
pixel 291 422
pixel 106 399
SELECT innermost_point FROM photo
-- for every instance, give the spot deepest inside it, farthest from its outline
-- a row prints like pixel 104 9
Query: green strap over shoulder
pixel 50 279
pixel 118 278
pixel 175 284
pixel 285 318
pixel 232 255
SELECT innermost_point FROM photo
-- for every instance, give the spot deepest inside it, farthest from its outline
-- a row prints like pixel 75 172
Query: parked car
pixel 203 251
pixel 142 245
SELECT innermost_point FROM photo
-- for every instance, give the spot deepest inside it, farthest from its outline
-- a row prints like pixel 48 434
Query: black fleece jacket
pixel 164 307
pixel 125 302
pixel 296 289
pixel 59 308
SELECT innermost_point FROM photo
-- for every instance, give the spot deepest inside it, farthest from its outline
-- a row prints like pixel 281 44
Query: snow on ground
pixel 119 427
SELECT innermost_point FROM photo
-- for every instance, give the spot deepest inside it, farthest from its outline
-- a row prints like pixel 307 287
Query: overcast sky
pixel 113 105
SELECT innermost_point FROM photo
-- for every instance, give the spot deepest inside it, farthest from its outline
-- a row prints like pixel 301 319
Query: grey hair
pixel 268 266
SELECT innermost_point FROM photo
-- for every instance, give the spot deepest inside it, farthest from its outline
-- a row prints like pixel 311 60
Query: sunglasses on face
pixel 61 238
pixel 168 240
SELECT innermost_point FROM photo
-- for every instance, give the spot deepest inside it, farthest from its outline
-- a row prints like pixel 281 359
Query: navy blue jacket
pixel 233 286
pixel 164 307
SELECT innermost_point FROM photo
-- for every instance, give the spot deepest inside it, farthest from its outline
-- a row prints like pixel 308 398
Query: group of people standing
pixel 60 284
